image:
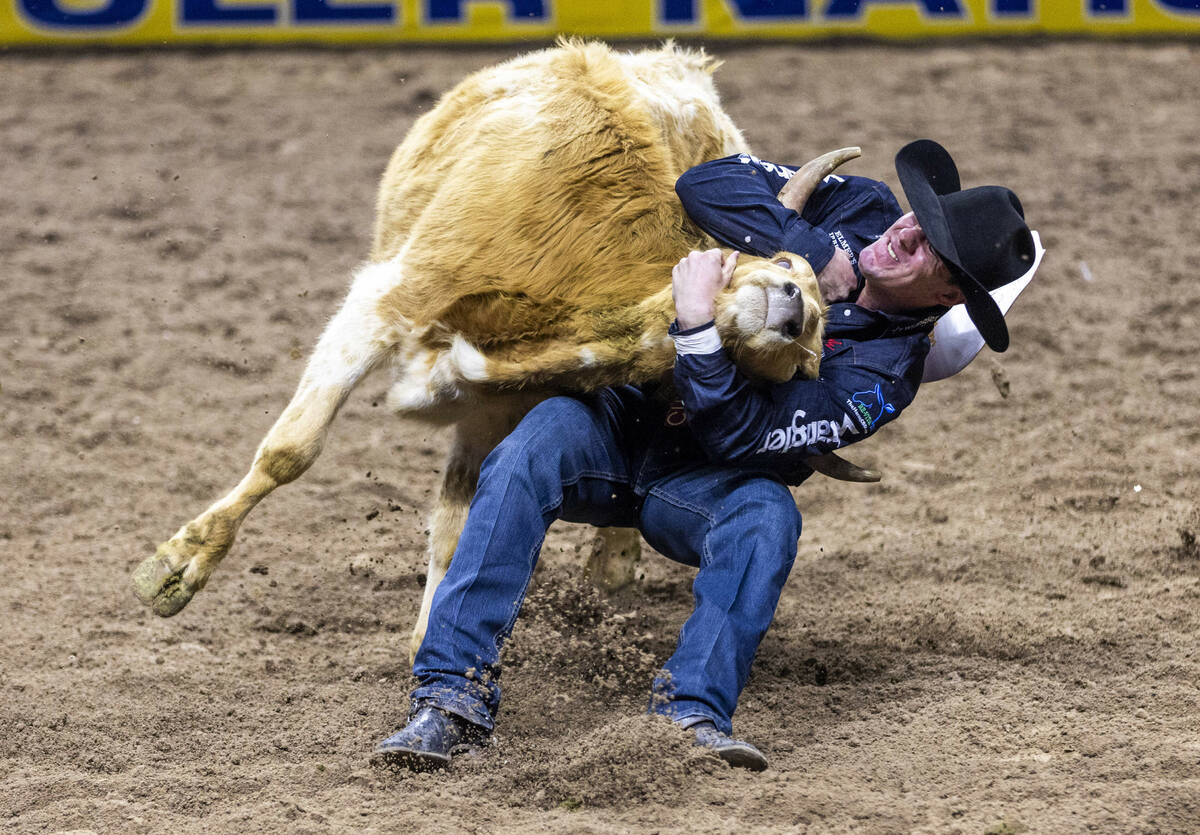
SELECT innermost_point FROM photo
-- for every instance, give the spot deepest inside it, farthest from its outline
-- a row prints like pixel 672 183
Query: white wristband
pixel 707 341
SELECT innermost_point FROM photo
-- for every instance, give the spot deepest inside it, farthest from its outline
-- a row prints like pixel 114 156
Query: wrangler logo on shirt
pixel 802 433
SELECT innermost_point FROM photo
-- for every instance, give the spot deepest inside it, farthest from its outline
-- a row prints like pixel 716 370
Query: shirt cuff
pixel 703 339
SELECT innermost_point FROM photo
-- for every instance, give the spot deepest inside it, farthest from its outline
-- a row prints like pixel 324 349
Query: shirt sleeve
pixel 778 426
pixel 734 200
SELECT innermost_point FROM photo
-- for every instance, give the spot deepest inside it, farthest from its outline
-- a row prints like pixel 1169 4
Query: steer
pixel 525 233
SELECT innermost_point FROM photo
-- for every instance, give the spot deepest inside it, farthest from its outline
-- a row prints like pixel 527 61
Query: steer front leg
pixel 355 340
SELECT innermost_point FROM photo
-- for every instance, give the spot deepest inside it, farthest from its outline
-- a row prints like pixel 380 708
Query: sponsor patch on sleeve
pixel 870 406
pixel 802 433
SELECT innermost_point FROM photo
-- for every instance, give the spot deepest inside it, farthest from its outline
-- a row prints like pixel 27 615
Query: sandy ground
pixel 1000 637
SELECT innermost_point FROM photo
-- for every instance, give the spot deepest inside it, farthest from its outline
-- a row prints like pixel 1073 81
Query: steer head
pixel 771 317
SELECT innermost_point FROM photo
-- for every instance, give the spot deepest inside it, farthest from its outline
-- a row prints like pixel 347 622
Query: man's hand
pixel 695 282
pixel 837 281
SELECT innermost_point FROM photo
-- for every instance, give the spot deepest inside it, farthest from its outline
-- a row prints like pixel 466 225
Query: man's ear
pixel 951 296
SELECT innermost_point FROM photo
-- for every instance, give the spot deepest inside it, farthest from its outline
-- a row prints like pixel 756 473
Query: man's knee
pixel 767 512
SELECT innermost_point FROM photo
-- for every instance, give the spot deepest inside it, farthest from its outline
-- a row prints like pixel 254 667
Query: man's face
pixel 903 265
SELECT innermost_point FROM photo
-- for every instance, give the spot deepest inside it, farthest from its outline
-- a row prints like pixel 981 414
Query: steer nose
pixel 785 310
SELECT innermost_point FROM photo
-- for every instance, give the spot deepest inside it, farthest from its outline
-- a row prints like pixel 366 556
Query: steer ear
pixel 839 468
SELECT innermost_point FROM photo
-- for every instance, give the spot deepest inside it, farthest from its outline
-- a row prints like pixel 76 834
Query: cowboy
pixel 706 483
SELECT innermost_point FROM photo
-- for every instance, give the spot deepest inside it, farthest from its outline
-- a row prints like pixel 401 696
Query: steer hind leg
pixel 474 437
pixel 353 343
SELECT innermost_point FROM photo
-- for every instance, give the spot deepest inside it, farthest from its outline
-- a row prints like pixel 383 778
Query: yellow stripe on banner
pixel 443 21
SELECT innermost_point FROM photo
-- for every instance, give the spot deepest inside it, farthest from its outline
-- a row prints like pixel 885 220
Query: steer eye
pixel 785 263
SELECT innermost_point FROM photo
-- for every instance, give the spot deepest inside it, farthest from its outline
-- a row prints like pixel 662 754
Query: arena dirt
pixel 1002 636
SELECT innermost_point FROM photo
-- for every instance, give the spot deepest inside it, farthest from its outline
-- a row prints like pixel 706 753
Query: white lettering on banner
pixel 801 433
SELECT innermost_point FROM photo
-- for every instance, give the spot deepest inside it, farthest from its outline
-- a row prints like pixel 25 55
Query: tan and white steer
pixel 526 229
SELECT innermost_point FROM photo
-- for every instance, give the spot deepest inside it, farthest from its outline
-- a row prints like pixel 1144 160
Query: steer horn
pixel 794 195
pixel 804 182
pixel 837 467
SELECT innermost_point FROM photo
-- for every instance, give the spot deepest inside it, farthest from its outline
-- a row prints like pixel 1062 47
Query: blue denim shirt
pixel 734 200
pixel 871 363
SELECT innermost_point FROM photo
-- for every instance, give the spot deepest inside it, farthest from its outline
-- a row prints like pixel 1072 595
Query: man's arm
pixel 734 200
pixel 737 422
pixel 737 201
pixel 778 427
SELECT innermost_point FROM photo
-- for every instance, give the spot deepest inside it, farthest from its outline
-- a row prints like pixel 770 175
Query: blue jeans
pixel 570 459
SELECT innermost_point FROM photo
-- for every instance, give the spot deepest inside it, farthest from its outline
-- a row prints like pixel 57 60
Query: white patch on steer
pixel 356 337
pixel 750 309
pixel 466 359
pixel 414 385
pixel 587 357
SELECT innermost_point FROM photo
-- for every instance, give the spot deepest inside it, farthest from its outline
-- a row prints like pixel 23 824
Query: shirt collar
pixel 848 319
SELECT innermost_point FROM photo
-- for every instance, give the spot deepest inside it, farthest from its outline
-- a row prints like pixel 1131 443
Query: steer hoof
pixel 161 587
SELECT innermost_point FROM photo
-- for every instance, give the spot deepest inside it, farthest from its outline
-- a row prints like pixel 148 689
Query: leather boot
pixel 429 740
pixel 736 752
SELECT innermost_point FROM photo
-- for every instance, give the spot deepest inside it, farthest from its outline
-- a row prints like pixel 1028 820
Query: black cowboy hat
pixel 979 232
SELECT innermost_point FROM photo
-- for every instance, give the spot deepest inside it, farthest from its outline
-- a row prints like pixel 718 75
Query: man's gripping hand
pixel 837 281
pixel 695 282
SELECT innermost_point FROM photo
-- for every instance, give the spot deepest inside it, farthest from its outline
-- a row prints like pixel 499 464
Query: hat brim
pixel 985 313
pixel 926 171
